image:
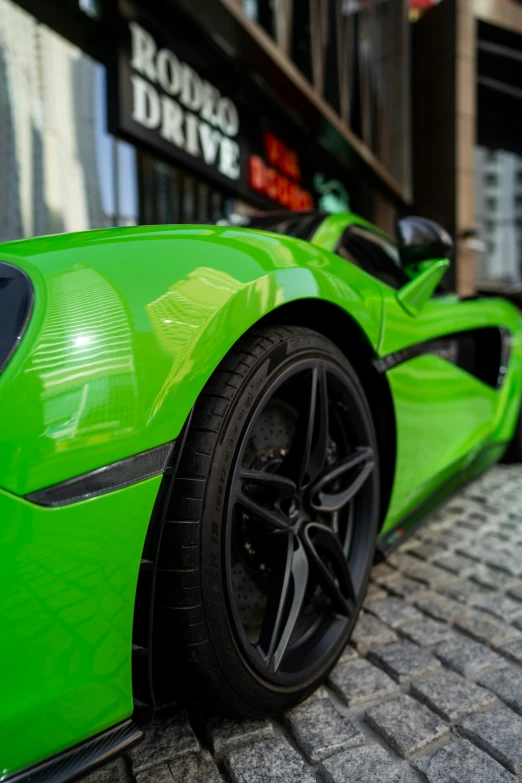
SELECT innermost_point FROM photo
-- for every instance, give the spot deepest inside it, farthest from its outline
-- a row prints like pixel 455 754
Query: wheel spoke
pixel 269 515
pixel 284 486
pixel 362 460
pixel 347 541
pixel 289 577
pixel 329 561
pixel 307 455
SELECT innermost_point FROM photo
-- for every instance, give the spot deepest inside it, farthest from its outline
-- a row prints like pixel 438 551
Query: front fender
pixel 128 326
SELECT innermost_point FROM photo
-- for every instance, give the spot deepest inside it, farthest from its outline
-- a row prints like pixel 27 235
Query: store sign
pixel 279 177
pixel 174 108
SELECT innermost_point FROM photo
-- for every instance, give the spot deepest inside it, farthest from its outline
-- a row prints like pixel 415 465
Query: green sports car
pixel 206 434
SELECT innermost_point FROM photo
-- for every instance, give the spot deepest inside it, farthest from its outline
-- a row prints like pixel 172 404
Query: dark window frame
pixel 365 262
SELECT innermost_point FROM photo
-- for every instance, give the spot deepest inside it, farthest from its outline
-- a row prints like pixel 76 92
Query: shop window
pixel 189 200
pixel 301 43
pixel 262 12
pixel 60 168
pixel 168 195
pixel 216 206
pixel 204 203
pixel 90 7
pixel 126 185
pixel 331 81
pixel 356 97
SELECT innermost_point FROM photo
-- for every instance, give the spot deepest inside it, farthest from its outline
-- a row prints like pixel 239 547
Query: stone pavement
pixel 430 688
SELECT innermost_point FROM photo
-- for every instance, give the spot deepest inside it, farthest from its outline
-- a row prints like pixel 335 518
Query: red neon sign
pixel 281 157
pixel 275 180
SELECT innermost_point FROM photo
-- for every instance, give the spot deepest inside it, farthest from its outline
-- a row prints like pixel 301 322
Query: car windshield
pixel 302 225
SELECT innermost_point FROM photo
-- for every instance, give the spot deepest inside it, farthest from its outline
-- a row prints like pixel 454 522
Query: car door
pixel 443 412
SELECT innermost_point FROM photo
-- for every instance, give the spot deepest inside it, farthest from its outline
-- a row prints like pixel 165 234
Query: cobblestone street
pixel 430 688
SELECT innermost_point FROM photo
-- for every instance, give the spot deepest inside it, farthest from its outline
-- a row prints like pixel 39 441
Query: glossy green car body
pixel 127 327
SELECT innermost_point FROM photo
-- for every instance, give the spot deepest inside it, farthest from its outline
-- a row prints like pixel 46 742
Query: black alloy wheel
pixel 290 523
pixel 286 510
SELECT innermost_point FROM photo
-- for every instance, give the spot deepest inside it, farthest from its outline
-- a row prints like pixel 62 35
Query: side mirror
pixel 420 239
pixel 414 295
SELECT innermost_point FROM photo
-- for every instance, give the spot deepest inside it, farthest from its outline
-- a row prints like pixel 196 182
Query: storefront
pixel 187 109
pixel 114 115
pixel 468 128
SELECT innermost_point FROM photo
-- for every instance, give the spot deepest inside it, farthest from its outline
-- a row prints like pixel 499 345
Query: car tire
pixel 260 579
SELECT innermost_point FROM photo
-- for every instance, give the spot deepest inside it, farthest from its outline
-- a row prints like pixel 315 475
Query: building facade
pixel 498 208
pixel 467 127
pixel 120 112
